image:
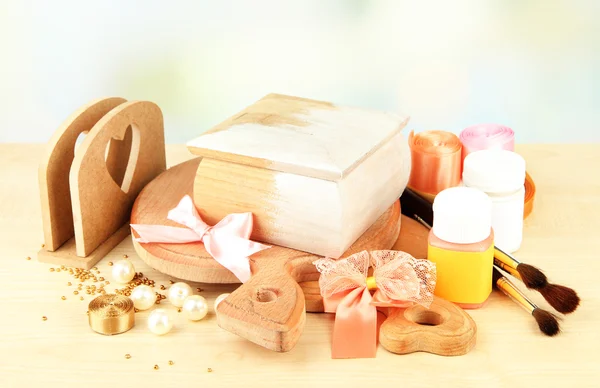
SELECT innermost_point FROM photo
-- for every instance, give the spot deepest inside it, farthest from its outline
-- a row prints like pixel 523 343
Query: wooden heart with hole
pixel 444 329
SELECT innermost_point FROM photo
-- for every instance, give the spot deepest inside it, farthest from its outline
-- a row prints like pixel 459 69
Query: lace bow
pixel 398 280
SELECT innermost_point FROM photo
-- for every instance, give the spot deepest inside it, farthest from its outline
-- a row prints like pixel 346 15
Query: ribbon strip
pixel 227 242
pixel 485 137
pixel 399 280
pixel 436 161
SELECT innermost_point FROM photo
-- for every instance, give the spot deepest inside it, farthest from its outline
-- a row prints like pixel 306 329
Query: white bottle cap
pixel 494 171
pixel 462 215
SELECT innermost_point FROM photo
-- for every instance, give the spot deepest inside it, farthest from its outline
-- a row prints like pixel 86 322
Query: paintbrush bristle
pixel 531 276
pixel 547 322
pixel 563 299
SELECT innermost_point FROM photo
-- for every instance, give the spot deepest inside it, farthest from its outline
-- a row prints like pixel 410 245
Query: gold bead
pixel 43 245
pixel 178 310
pixel 107 282
pixel 51 269
pixel 163 287
pixel 68 283
pixel 95 268
pixel 44 318
pixel 125 256
pixel 101 279
pixel 58 270
pixel 171 281
pixel 155 367
pixel 63 297
pixel 158 301
pixel 135 310
pixel 209 370
pixel 81 298
pixel 199 289
pixel 128 356
pixel 171 362
pixel 110 263
pixel 75 292
pixel 63 267
pixel 28 258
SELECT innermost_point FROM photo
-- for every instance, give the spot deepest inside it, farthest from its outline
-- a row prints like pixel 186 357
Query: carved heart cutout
pixel 121 157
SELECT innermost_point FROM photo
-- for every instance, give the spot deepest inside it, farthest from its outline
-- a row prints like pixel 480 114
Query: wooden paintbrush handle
pixel 513 293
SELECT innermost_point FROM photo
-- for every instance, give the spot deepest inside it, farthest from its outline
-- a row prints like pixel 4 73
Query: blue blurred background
pixel 530 65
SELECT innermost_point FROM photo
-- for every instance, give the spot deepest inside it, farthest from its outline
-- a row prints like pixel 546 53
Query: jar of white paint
pixel 501 175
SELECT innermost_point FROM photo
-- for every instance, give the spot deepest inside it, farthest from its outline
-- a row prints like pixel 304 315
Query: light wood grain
pixel 560 236
pixel 268 309
pixel 87 195
pixel 443 328
pixel 315 175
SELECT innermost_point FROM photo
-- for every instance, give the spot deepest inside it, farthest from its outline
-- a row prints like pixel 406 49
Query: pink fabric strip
pixel 486 136
pixel 227 242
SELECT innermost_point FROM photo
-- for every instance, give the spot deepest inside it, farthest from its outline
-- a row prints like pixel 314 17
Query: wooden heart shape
pixel 121 157
pixel 444 329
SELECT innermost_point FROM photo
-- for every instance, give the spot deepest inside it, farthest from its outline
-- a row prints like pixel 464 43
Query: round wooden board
pixel 191 261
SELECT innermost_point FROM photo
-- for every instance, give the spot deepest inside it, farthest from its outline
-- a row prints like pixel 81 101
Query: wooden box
pixel 315 175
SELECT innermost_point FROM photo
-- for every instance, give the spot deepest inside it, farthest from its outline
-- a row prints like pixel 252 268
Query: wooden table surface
pixel 561 237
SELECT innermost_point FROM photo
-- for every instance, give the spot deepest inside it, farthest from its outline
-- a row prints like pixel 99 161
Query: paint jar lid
pixel 494 171
pixel 462 215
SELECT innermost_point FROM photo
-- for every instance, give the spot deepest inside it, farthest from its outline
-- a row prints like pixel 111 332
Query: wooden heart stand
pixel 87 194
pixel 269 309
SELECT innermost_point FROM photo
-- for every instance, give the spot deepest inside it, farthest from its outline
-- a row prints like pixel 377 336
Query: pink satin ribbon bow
pixel 227 242
pixel 399 280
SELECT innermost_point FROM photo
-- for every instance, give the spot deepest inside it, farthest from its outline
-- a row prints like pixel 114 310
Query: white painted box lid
pixel 300 136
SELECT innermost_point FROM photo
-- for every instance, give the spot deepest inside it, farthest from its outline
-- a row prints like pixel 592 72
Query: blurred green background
pixel 531 65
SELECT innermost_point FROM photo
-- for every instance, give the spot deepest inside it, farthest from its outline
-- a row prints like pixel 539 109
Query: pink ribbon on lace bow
pixel 399 280
pixel 227 242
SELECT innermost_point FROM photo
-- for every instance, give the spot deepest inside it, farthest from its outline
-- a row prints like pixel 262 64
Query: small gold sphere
pixel 63 297
pixel 155 367
pixel 171 362
pixel 128 356
pixel 44 318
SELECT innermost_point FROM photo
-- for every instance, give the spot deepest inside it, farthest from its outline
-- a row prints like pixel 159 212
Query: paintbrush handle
pixel 506 261
pixel 513 293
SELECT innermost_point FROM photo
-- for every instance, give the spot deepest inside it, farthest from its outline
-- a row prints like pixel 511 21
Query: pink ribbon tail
pixel 164 234
pixel 355 327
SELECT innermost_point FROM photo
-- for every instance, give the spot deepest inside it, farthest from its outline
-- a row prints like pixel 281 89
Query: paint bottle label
pixel 464 278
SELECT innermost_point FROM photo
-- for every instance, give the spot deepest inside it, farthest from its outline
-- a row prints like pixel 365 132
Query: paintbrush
pixel 547 322
pixel 563 299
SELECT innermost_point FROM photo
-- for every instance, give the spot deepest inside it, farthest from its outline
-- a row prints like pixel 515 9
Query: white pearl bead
pixel 178 292
pixel 159 322
pixel 219 299
pixel 123 271
pixel 143 297
pixel 195 307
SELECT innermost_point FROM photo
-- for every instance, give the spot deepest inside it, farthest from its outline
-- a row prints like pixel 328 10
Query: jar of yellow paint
pixel 461 244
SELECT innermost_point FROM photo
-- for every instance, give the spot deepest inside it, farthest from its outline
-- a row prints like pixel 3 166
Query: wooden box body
pixel 315 175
